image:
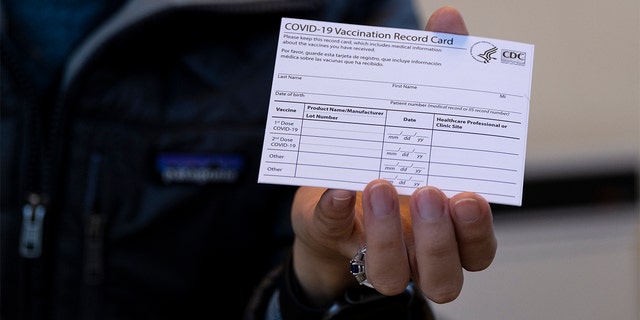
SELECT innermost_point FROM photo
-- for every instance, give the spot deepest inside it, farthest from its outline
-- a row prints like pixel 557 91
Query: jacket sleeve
pixel 279 298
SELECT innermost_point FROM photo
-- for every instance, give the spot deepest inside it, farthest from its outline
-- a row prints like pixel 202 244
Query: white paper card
pixel 353 103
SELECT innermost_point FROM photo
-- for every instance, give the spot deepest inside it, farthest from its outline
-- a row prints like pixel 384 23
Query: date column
pixel 407 148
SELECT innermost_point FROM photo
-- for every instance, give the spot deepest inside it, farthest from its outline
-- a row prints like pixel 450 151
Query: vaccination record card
pixel 354 103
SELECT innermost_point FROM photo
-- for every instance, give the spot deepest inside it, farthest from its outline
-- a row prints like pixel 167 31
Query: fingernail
pixel 381 200
pixel 430 204
pixel 467 210
pixel 342 199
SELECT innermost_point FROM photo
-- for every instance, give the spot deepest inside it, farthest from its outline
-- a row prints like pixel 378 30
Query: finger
pixel 387 266
pixel 447 19
pixel 324 222
pixel 324 218
pixel 439 269
pixel 473 222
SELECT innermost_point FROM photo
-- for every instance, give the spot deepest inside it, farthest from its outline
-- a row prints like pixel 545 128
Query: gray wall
pixel 579 263
pixel 585 97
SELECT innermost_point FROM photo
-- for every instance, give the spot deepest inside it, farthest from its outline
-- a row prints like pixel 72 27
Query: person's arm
pixel 427 238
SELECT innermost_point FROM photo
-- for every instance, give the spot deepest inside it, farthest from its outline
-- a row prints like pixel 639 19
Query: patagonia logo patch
pixel 198 168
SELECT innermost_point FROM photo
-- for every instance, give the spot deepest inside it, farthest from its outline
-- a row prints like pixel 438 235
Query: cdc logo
pixel 483 51
pixel 513 57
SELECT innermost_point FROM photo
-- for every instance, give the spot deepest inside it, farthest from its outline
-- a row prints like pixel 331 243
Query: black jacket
pixel 142 167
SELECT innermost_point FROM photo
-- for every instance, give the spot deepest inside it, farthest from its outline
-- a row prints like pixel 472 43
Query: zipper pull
pixel 94 235
pixel 32 226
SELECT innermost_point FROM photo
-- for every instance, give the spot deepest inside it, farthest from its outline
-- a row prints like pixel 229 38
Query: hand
pixel 426 237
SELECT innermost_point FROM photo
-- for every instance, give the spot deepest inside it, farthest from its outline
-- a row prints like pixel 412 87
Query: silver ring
pixel 357 267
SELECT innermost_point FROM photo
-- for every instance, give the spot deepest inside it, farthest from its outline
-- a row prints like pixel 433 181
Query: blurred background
pixel 572 251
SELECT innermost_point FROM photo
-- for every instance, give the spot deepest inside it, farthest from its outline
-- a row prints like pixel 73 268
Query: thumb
pixel 447 19
pixel 323 218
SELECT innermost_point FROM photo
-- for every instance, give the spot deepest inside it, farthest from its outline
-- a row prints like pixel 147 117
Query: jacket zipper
pixel 94 234
pixel 94 226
